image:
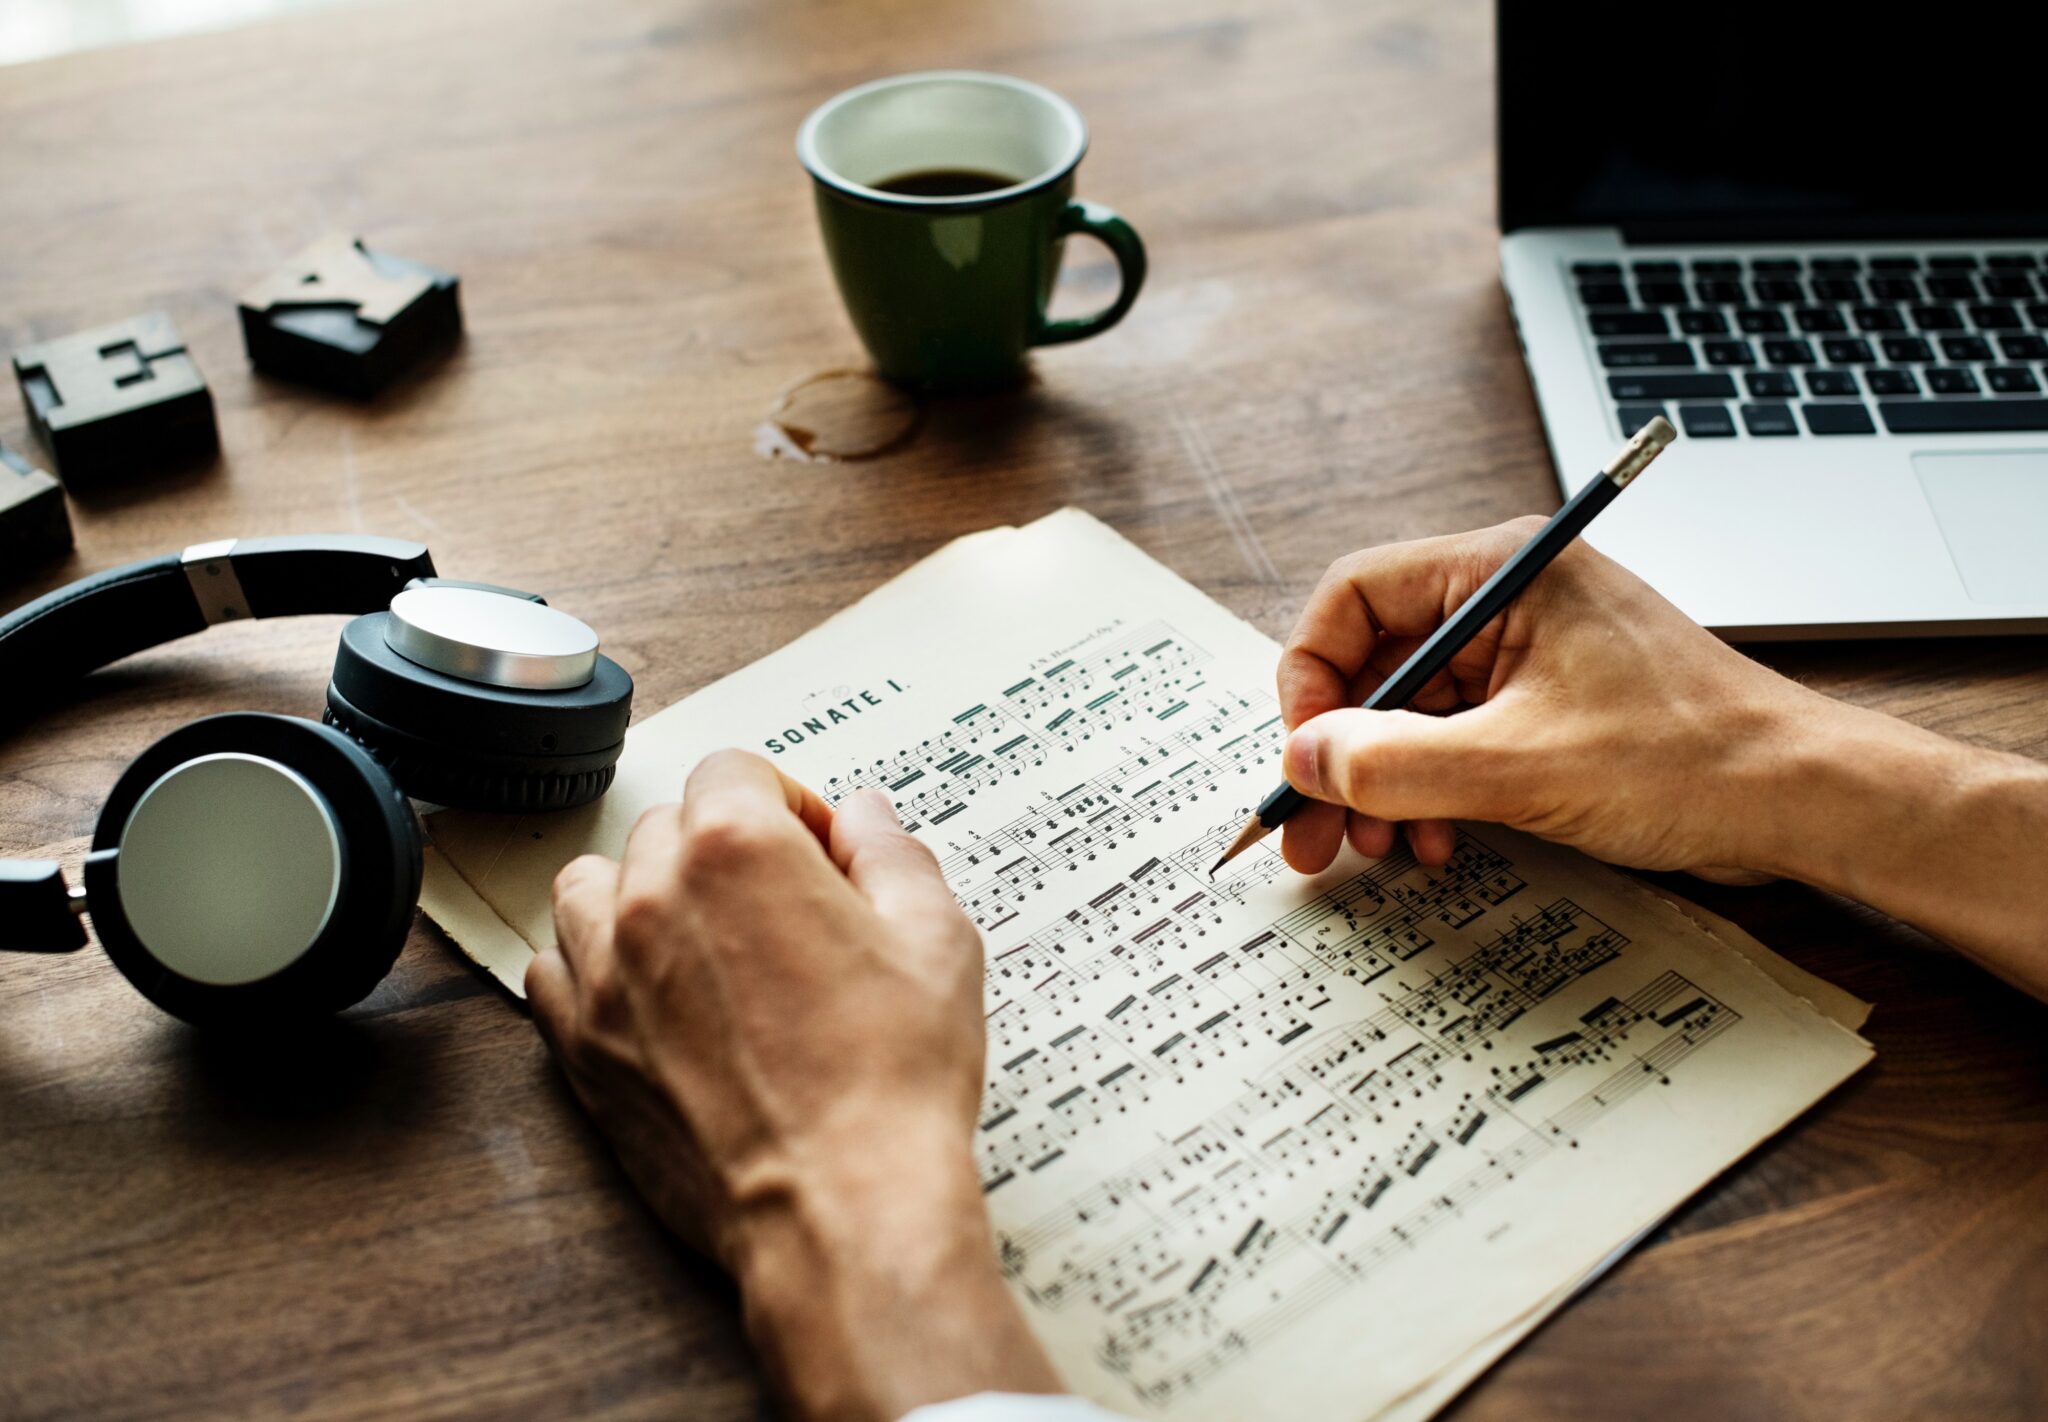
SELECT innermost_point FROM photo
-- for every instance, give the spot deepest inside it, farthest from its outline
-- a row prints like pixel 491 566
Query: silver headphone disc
pixel 230 868
pixel 492 638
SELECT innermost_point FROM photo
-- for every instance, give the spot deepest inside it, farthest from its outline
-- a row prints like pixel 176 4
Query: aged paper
pixel 1264 1145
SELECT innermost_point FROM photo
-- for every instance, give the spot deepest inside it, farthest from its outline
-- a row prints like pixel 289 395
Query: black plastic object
pixel 34 525
pixel 381 847
pixel 102 618
pixel 120 400
pixel 35 908
pixel 349 319
pixel 98 619
pixel 294 574
pixel 477 747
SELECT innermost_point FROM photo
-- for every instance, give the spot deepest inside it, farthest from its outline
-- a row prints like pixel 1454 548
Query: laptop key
pixel 1878 318
pixel 1891 382
pixel 1951 380
pixel 2038 314
pixel 2009 286
pixel 1965 348
pixel 1815 320
pixel 1634 417
pixel 1937 318
pixel 1837 264
pixel 1836 288
pixel 1995 318
pixel 1696 322
pixel 2010 261
pixel 1728 353
pixel 1895 264
pixel 1719 291
pixel 1654 269
pixel 1776 264
pixel 1907 348
pixel 1629 323
pixel 1894 288
pixel 2023 347
pixel 1717 267
pixel 1626 355
pixel 1760 321
pixel 1770 289
pixel 1953 262
pixel 1831 383
pixel 1763 420
pixel 1636 389
pixel 1603 293
pixel 1596 269
pixel 1662 293
pixel 1848 350
pixel 1770 385
pixel 1788 352
pixel 1952 288
pixel 1962 416
pixel 1839 419
pixel 2011 380
pixel 1706 421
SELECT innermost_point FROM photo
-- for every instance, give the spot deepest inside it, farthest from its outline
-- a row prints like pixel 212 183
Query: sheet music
pixel 1255 1145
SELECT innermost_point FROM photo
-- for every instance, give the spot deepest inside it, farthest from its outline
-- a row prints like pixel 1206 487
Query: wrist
pixel 1753 800
pixel 1937 834
pixel 1841 780
pixel 871 1287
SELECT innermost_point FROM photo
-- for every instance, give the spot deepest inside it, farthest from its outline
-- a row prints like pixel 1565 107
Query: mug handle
pixel 1092 219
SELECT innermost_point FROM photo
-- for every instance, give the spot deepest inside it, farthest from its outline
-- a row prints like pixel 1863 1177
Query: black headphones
pixel 256 868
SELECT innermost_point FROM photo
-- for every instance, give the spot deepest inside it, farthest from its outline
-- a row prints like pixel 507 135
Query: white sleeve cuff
pixel 1012 1407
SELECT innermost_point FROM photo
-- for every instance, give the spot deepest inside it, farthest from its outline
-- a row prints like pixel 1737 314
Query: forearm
pixel 1947 837
pixel 878 1292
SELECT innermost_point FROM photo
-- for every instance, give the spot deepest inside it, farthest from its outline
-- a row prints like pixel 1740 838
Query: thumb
pixel 1402 765
pixel 895 872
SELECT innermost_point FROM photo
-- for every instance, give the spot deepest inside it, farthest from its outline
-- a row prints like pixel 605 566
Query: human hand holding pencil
pixel 1553 696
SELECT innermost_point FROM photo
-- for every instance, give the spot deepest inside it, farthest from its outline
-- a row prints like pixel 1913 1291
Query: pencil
pixel 1478 610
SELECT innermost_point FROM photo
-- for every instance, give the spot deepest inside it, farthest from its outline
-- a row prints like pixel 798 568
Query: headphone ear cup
pixel 442 779
pixel 375 891
pixel 471 745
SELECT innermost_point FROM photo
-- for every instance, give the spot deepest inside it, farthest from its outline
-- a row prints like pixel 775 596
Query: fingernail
pixel 1303 759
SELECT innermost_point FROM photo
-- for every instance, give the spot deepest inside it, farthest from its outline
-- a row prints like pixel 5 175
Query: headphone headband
pixel 110 615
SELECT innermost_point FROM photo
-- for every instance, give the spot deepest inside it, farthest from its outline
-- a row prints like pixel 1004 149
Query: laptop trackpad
pixel 1993 512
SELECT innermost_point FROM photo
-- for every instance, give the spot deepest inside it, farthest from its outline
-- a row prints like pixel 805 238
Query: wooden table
pixel 404 1215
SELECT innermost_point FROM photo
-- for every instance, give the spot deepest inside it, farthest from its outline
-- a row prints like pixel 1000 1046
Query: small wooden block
pixel 34 526
pixel 348 319
pixel 123 399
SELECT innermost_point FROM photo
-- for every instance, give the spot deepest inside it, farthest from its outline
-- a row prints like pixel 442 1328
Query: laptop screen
pixel 1791 119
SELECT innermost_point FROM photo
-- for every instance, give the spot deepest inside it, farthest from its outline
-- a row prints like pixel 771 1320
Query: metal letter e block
pixel 348 319
pixel 124 399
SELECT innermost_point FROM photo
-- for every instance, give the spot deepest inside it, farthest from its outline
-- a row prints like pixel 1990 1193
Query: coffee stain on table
pixel 838 416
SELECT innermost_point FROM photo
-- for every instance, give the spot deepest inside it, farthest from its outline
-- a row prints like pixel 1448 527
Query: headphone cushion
pixel 499 783
pixel 473 746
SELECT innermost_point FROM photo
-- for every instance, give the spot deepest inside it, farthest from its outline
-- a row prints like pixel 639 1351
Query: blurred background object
pixel 36 29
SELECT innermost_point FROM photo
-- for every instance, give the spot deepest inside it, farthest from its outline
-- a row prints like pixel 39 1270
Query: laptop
pixel 1817 242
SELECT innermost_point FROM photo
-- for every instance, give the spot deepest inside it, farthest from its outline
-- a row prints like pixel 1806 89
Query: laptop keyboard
pixel 1835 344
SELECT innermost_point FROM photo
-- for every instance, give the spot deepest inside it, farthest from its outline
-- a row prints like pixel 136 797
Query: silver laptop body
pixel 1866 407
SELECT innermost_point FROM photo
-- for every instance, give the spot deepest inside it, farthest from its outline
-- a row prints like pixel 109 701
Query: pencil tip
pixel 1250 835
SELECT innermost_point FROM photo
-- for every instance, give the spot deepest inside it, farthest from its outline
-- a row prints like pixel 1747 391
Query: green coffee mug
pixel 949 291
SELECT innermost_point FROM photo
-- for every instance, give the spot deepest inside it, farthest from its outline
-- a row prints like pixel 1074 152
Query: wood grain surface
pixel 403 1215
